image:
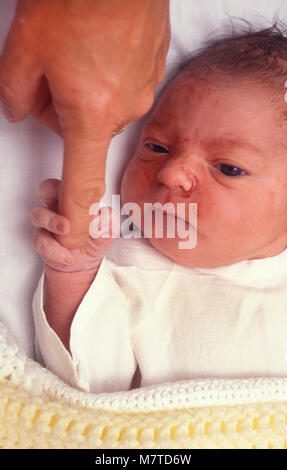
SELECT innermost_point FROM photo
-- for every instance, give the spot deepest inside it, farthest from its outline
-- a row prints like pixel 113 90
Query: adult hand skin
pixel 84 69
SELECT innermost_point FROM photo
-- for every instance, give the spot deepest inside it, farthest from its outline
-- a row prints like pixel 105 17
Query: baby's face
pixel 219 146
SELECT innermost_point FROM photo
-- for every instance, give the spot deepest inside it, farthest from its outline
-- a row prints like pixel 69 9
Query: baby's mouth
pixel 172 211
pixel 172 218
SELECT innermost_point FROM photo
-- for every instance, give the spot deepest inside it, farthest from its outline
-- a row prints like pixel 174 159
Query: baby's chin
pixel 196 257
pixel 200 258
pixel 187 257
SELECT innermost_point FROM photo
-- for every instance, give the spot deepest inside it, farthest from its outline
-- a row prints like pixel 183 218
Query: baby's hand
pixel 49 222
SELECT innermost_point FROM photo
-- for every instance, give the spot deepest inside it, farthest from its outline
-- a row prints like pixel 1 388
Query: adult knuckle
pixel 85 197
pixel 78 103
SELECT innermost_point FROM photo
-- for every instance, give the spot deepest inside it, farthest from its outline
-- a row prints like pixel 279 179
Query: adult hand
pixel 84 69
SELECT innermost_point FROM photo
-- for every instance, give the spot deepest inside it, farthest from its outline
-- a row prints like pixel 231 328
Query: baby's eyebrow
pixel 226 142
pixel 153 125
pixel 215 143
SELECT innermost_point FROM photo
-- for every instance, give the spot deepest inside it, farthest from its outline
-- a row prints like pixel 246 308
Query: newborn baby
pixel 134 311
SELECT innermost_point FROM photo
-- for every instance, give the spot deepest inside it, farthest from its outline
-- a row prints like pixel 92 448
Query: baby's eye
pixel 156 148
pixel 230 170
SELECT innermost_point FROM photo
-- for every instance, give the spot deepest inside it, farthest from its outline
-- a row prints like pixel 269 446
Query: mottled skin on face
pixel 200 127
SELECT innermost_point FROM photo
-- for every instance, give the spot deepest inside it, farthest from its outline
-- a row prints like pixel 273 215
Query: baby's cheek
pixel 133 183
pixel 149 174
pixel 219 215
pixel 139 177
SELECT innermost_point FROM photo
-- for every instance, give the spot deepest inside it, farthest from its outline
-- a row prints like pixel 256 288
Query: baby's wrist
pixel 85 271
pixel 60 284
pixel 62 295
pixel 78 265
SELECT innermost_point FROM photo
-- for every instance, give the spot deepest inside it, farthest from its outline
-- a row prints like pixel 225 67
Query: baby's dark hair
pixel 260 56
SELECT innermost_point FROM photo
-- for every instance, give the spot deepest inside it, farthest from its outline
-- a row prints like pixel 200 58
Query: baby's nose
pixel 176 174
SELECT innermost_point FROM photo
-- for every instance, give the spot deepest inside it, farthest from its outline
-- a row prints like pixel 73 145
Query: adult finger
pixel 83 177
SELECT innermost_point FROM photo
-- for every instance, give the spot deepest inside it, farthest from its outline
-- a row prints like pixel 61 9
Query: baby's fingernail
pixel 69 260
pixel 61 227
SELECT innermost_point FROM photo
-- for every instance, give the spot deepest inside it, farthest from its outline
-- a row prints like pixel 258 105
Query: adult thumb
pixel 20 76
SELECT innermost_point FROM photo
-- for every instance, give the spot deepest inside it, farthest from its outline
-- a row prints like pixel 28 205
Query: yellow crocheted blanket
pixel 37 410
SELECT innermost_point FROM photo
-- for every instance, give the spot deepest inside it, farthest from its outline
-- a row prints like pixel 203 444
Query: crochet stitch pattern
pixel 39 411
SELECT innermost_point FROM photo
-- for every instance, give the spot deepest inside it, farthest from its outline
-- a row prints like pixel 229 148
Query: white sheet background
pixel 30 153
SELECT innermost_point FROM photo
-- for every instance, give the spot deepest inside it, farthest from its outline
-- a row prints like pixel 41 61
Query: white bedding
pixel 30 153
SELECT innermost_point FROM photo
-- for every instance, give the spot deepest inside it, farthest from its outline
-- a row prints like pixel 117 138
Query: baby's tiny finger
pixel 49 249
pixel 48 191
pixel 45 218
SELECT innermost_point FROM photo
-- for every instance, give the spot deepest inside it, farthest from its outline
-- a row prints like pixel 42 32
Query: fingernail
pixel 69 260
pixel 8 113
pixel 61 227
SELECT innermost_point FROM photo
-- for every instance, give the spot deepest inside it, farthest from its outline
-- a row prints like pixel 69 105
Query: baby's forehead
pixel 186 88
pixel 249 109
pixel 190 83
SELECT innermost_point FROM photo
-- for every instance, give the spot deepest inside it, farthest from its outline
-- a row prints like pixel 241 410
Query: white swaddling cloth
pixel 172 322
